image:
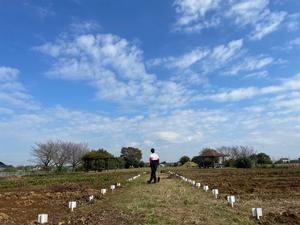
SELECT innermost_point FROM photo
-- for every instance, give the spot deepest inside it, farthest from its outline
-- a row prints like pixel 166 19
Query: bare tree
pixel 43 153
pixel 236 152
pixel 61 154
pixel 77 151
pixel 246 151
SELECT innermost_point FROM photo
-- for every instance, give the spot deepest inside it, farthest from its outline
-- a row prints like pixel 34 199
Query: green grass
pixel 173 202
pixel 93 179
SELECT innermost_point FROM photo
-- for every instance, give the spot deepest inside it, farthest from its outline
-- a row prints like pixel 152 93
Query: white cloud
pixel 294 43
pixel 293 22
pixel 193 65
pixel 195 15
pixel 81 27
pixel 269 23
pixel 258 75
pixel 257 14
pixel 106 50
pixel 8 73
pixel 251 64
pixel 247 11
pixel 169 136
pixel 181 62
pixel 188 59
pixel 250 92
pixel 12 92
pixel 224 53
pixel 192 10
pixel 115 68
pixel 289 102
pixel 178 130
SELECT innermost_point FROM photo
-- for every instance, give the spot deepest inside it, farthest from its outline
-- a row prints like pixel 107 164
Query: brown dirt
pixel 286 218
pixel 21 205
pixel 277 191
pixel 27 204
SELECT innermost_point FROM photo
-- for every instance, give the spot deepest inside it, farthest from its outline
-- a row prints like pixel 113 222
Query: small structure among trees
pixel 231 156
pixel 211 158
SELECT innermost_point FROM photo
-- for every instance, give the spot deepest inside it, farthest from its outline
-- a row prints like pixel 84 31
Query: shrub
pixel 229 163
pixel 263 158
pixel 190 165
pixel 184 159
pixel 244 162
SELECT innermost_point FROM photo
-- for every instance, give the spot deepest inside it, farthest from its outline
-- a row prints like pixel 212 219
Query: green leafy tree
pixel 263 158
pixel 99 160
pixel 184 159
pixel 197 159
pixel 244 162
pixel 132 156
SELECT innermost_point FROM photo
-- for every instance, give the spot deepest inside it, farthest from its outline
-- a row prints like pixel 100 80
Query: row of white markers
pixel 43 218
pixel 256 212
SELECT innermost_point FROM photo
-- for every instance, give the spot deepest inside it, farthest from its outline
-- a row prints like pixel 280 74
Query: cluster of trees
pixel 244 156
pixel 235 156
pixel 102 159
pixel 58 154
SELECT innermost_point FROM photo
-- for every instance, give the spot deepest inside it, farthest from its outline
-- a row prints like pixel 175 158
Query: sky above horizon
pixel 176 75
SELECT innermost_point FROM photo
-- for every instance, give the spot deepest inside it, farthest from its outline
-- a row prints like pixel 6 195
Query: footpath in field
pixel 169 202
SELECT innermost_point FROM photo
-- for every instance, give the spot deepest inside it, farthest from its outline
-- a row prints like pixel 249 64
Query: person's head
pixel 152 150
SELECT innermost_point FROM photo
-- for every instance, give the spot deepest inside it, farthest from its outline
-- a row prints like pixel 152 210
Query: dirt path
pixel 169 202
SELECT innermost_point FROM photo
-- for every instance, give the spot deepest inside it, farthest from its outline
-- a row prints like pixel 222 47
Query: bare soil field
pixel 171 201
pixel 276 190
pixel 23 198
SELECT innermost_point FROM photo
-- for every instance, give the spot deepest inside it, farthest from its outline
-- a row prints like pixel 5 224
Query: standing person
pixel 154 162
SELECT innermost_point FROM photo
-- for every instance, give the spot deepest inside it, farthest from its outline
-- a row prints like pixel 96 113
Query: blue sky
pixel 176 75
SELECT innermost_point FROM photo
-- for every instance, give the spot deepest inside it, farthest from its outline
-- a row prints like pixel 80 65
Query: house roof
pixel 212 153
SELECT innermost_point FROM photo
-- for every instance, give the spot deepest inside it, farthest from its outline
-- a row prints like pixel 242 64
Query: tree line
pixel 234 156
pixel 59 155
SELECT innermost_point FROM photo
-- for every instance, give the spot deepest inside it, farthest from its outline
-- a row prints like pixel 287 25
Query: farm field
pixel 170 201
pixel 276 190
pixel 23 198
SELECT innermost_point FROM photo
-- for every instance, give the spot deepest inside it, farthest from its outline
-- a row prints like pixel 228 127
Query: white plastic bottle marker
pixel 118 184
pixel 103 191
pixel 112 187
pixel 72 205
pixel 257 212
pixel 193 183
pixel 198 185
pixel 42 218
pixel 91 198
pixel 231 200
pixel 205 188
pixel 215 192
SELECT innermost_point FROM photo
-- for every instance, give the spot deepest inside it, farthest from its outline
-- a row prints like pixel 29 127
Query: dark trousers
pixel 153 172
